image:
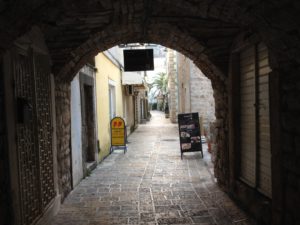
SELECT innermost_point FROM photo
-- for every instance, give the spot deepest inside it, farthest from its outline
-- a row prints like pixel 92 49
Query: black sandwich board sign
pixel 189 133
pixel 118 134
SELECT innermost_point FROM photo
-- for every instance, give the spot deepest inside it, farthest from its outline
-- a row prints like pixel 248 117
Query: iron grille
pixel 34 133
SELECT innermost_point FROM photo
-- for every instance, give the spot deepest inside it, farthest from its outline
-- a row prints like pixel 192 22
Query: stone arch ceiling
pixel 202 29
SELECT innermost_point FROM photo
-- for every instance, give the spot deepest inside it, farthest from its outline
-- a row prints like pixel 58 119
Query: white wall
pixel 76 139
pixel 128 112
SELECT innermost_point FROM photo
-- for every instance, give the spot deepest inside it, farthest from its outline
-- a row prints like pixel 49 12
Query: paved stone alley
pixel 150 184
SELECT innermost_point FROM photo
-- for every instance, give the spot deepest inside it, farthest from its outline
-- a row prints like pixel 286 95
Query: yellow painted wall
pixel 106 70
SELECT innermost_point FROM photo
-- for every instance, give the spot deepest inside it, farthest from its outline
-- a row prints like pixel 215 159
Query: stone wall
pixel 290 142
pixel 4 177
pixel 195 91
pixel 172 85
pixel 202 98
pixel 284 87
pixel 184 104
pixel 196 94
pixel 220 129
pixel 127 21
pixel 63 127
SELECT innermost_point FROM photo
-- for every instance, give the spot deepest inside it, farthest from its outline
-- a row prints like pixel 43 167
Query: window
pixel 255 164
pixel 112 99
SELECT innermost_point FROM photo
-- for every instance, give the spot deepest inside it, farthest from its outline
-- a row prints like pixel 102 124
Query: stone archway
pixel 159 33
pixel 75 31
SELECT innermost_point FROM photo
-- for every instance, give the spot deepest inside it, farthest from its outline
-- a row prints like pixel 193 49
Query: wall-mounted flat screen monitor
pixel 138 59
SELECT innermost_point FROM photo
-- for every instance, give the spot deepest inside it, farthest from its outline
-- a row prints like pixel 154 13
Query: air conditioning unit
pixel 129 89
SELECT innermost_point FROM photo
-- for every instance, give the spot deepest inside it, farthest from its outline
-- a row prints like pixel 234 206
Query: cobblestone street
pixel 150 184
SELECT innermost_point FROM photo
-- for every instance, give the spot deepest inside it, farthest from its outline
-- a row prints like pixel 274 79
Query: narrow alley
pixel 150 184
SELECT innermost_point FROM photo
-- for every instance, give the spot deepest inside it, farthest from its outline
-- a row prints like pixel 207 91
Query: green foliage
pixel 160 87
pixel 154 106
pixel 160 83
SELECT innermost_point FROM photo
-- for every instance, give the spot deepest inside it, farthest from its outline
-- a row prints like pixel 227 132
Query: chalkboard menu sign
pixel 189 133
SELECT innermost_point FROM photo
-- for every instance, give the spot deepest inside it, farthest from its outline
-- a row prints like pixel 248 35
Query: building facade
pixel 172 73
pixel 83 123
pixel 118 93
pixel 189 90
pixel 109 95
pixel 195 93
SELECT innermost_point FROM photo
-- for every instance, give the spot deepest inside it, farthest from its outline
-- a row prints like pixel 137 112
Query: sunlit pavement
pixel 150 184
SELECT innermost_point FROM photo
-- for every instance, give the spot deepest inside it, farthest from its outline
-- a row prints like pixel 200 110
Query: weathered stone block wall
pixel 290 142
pixel 284 87
pixel 4 179
pixel 172 89
pixel 63 128
pixel 221 161
pixel 274 20
pixel 212 104
pixel 195 92
pixel 202 99
pixel 184 92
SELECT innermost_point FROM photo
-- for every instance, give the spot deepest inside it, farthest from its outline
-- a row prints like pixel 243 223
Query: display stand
pixel 189 133
pixel 118 134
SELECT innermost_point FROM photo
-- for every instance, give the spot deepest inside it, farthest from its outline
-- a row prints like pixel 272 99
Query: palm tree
pixel 160 84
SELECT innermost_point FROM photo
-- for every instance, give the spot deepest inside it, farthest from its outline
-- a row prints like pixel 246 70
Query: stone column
pixel 63 124
pixel 4 171
pixel 285 159
pixel 172 86
pixel 220 151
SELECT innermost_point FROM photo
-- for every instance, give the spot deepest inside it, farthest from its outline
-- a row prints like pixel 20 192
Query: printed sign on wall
pixel 189 133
